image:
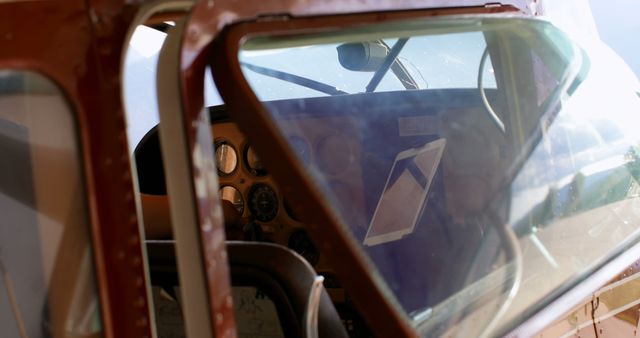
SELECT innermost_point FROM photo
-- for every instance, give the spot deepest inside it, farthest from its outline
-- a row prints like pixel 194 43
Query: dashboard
pixel 246 183
pixel 265 213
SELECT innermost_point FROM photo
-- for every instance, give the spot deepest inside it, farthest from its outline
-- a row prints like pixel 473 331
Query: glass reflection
pixel 231 194
pixel 226 158
pixel 254 164
pixel 529 195
pixel 334 154
pixel 47 282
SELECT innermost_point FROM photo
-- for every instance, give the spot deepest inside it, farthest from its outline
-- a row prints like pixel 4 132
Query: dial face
pixel 263 202
pixel 231 194
pixel 226 158
pixel 254 164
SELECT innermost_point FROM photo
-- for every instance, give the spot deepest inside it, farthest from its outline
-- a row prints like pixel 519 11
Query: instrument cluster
pixel 245 183
pixel 330 146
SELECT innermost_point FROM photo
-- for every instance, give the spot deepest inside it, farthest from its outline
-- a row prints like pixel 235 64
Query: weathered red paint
pixel 78 45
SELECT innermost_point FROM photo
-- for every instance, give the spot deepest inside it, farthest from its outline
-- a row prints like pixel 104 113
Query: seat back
pixel 273 270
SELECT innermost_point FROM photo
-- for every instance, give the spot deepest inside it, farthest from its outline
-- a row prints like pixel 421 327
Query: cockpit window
pixel 341 68
pixel 140 71
pixel 478 189
pixel 47 281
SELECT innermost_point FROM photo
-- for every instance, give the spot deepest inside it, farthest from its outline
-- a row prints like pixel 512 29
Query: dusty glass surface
pixel 233 195
pixel 226 158
pixel 498 170
pixel 47 286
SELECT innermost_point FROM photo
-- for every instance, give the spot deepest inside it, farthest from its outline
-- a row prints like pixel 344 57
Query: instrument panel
pixel 246 183
pixel 263 213
pixel 330 145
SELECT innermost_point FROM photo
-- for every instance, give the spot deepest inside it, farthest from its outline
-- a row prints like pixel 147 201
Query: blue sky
pixel 619 26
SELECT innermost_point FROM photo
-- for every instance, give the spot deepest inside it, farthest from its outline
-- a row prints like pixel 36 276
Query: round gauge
pixel 301 148
pixel 254 164
pixel 300 242
pixel 226 158
pixel 263 202
pixel 334 154
pixel 231 194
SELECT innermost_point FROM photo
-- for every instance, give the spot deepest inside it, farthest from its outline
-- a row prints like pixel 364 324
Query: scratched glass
pixel 484 165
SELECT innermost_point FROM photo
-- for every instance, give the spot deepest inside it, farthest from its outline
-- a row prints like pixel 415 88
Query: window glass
pixel 47 285
pixel 447 63
pixel 140 96
pixel 139 82
pixel 477 202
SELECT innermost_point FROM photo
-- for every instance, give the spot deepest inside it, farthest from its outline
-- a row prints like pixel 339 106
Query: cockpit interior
pixel 256 209
pixel 420 174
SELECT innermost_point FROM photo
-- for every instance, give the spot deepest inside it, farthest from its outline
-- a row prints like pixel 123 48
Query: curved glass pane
pixel 47 286
pixel 503 177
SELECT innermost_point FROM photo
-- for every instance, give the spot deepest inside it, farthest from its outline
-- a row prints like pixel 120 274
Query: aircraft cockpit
pixel 432 142
pixel 334 169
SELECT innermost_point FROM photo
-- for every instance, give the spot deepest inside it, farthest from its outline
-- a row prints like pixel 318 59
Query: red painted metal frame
pixel 78 45
pixel 206 22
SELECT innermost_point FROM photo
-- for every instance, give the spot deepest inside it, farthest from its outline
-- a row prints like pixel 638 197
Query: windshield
pixel 476 174
pixel 347 67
